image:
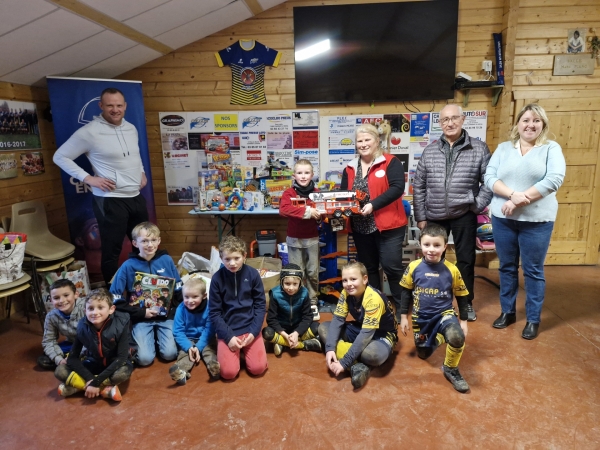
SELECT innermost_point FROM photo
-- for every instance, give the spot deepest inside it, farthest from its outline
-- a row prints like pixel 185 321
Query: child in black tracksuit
pixel 104 332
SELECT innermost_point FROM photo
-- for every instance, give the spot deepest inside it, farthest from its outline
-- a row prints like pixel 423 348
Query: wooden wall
pixel 573 107
pixel 189 79
pixel 46 187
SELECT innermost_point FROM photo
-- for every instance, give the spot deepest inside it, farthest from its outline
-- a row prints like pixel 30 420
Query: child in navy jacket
pixel 237 309
pixel 146 320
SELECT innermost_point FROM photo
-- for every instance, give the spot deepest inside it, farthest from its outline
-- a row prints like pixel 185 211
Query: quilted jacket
pixel 441 194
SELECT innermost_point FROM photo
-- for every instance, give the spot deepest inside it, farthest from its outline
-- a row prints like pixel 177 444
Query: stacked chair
pixel 7 290
pixel 44 252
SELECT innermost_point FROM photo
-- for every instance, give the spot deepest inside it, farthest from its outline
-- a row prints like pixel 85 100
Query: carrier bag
pixel 190 262
pixel 12 253
pixel 76 272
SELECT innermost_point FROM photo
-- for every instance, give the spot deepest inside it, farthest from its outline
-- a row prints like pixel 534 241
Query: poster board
pixel 255 139
pixel 410 134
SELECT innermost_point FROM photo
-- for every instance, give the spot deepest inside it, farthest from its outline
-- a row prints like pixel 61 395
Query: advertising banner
pixel 74 103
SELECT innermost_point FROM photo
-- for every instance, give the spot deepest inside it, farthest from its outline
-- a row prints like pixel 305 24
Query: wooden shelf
pixel 496 95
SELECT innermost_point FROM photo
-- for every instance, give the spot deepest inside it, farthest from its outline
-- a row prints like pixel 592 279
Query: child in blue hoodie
pixel 194 333
pixel 237 309
pixel 149 327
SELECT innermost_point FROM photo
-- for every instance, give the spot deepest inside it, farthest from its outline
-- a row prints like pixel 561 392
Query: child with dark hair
pixel 62 320
pixel 429 283
pixel 237 309
pixel 290 319
pixel 104 332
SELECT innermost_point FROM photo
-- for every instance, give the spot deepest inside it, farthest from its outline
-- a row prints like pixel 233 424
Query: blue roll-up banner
pixel 499 63
pixel 74 102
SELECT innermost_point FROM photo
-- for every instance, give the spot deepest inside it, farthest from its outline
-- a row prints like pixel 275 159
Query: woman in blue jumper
pixel 524 174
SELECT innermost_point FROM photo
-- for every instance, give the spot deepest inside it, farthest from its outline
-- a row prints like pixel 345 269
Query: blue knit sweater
pixel 543 167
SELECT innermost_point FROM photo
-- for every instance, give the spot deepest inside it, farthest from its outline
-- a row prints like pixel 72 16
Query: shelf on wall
pixel 496 95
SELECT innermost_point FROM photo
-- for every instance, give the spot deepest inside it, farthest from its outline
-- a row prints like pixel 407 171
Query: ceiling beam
pixel 254 6
pixel 108 22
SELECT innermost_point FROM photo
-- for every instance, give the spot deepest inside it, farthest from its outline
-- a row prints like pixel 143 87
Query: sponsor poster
pixel 8 165
pixel 19 128
pixel 254 138
pixel 74 103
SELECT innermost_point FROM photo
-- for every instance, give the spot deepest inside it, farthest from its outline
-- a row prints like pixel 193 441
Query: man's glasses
pixel 446 120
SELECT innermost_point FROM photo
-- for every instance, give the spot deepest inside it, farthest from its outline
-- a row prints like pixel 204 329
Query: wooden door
pixel 576 127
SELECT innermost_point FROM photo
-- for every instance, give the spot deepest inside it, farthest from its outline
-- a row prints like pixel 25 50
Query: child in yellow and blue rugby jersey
pixel 367 341
pixel 430 283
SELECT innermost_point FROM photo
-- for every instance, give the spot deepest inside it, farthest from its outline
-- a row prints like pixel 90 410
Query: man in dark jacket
pixel 449 189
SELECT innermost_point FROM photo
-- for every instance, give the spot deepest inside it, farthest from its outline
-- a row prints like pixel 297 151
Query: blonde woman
pixel 524 174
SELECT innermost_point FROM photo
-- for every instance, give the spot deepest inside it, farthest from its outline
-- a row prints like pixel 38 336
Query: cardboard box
pixel 265 264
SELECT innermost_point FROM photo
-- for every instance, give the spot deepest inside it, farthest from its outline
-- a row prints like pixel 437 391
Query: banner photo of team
pixel 19 126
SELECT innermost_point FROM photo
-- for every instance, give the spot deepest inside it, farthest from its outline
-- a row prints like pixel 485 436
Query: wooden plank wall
pixel 189 79
pixel 573 106
pixel 46 187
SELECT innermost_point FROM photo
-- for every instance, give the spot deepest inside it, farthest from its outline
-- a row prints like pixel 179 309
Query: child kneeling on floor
pixel 429 283
pixel 62 320
pixel 290 318
pixel 366 342
pixel 104 332
pixel 237 309
pixel 194 333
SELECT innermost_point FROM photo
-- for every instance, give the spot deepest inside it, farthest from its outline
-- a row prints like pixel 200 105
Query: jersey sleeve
pixel 407 279
pixel 224 56
pixel 270 56
pixel 341 309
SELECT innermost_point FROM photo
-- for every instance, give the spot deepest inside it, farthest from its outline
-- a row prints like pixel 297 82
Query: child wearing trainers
pixel 290 319
pixel 194 333
pixel 62 320
pixel 366 342
pixel 302 230
pixel 429 283
pixel 147 321
pixel 237 309
pixel 104 332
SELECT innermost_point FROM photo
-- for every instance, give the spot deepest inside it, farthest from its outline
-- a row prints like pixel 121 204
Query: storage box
pixel 269 269
pixel 267 242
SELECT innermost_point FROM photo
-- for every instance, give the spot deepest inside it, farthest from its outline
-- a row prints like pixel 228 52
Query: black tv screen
pixel 378 52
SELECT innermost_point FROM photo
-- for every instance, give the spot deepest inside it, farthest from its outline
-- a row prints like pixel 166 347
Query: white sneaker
pixel 315 311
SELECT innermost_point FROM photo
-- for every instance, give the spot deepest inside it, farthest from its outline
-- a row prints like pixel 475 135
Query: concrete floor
pixel 524 394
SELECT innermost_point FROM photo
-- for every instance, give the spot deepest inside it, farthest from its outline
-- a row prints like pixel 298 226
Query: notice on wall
pixel 192 140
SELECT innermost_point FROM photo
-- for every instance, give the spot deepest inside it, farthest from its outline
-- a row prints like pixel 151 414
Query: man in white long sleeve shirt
pixel 111 145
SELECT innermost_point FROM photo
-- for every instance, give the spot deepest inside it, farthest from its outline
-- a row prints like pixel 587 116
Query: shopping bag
pixel 12 253
pixel 76 272
pixel 190 262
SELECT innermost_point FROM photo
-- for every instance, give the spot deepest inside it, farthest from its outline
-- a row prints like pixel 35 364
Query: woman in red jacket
pixel 379 230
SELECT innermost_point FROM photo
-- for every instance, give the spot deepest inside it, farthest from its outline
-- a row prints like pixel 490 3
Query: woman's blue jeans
pixel 529 241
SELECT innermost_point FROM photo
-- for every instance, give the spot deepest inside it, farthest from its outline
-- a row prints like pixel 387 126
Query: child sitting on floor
pixel 237 309
pixel 290 319
pixel 62 320
pixel 429 283
pixel 367 341
pixel 194 333
pixel 104 332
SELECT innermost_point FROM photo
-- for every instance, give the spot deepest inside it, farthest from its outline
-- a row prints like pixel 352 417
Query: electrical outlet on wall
pixel 486 66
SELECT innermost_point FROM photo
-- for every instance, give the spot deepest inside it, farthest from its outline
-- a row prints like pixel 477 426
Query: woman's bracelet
pixel 510 196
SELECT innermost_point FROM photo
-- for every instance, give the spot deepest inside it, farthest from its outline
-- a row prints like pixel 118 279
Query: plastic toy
pixel 333 203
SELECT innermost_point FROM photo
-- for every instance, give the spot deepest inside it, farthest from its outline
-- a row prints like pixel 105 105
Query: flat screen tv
pixel 378 52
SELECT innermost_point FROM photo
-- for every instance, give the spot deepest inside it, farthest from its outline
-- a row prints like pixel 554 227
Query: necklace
pixel 365 171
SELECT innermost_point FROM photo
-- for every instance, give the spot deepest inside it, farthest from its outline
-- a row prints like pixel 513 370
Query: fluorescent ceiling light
pixel 313 50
